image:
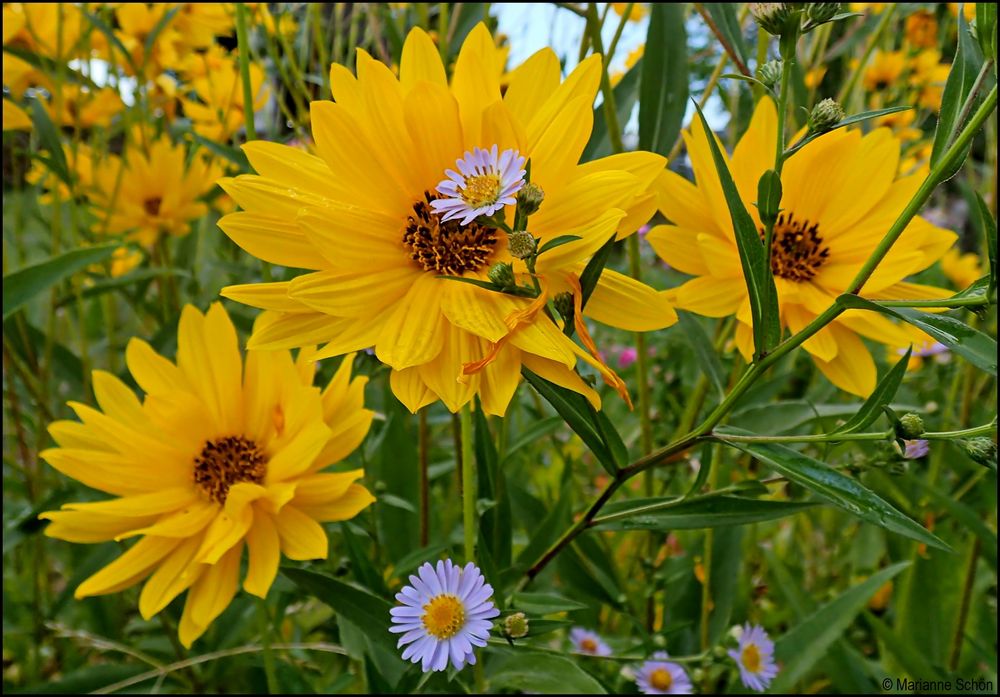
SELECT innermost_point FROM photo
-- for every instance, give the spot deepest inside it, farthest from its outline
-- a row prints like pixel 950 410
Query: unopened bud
pixel 775 18
pixel 516 626
pixel 502 274
pixel 825 115
pixel 529 198
pixel 818 13
pixel 522 244
pixel 564 306
pixel 770 73
pixel 982 450
pixel 911 426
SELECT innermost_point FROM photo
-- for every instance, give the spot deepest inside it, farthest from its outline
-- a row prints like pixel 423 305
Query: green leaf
pixel 558 242
pixel 369 612
pixel 974 346
pixel 807 642
pixel 578 413
pixel 965 516
pixel 957 89
pixel 110 284
pixel 538 627
pixel 87 680
pixel 726 18
pixel 663 86
pixel 753 256
pixel 544 603
pixel 854 118
pixel 906 654
pixel 523 670
pixel 393 471
pixel 24 284
pixel 709 511
pixel 593 270
pixel 724 583
pixel 704 352
pixel 885 390
pixel 838 489
pixel 49 141
pixel 532 434
pixel 990 228
pixel 745 78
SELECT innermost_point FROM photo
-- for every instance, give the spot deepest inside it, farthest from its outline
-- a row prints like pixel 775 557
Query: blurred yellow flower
pixel 875 8
pixel 55 30
pixel 14 117
pixel 962 269
pixel 921 29
pixel 815 76
pixel 901 123
pixel 639 10
pixel 630 61
pixel 841 194
pixel 123 260
pixel 19 75
pixel 362 218
pixel 76 107
pixel 212 460
pixel 916 158
pixel 219 111
pixel 885 69
pixel 928 75
pixel 152 193
pixel 968 10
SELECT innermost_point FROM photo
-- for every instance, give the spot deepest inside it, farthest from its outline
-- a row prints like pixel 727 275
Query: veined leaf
pixel 50 141
pixel 593 270
pixel 957 89
pixel 544 603
pixel 990 230
pixel 808 641
pixel 663 87
pixel 709 511
pixel 726 18
pixel 753 256
pixel 24 284
pixel 543 673
pixel 703 350
pixel 976 347
pixel 885 390
pixel 852 119
pixel 837 488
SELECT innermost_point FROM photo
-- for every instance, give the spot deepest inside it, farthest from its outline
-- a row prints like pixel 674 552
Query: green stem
pixel 265 641
pixel 963 612
pixel 468 484
pixel 422 448
pixel 244 48
pixel 607 93
pixel 779 159
pixel 984 430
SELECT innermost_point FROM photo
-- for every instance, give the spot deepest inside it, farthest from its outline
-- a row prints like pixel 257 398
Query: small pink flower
pixel 627 357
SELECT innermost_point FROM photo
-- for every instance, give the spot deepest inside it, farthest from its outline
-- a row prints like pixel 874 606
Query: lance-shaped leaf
pixel 885 390
pixel 957 90
pixel 663 87
pixel 24 284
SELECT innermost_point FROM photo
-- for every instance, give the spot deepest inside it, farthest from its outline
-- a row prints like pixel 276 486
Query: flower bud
pixel 770 73
pixel 522 244
pixel 825 115
pixel 818 13
pixel 502 274
pixel 564 306
pixel 911 426
pixel 982 450
pixel 529 198
pixel 516 626
pixel 775 18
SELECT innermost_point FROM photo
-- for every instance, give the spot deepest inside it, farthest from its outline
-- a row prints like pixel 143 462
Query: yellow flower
pixel 928 76
pixel 916 158
pixel 360 217
pixel 873 7
pixel 211 460
pixel 83 108
pixel 814 77
pixel 962 269
pixel 968 10
pixel 54 30
pixel 922 29
pixel 156 194
pixel 137 21
pixel 123 260
pixel 19 75
pixel 639 10
pixel 14 117
pixel 219 111
pixel 901 123
pixel 884 69
pixel 841 195
pixel 630 61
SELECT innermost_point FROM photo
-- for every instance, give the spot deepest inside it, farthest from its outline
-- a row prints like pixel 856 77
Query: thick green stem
pixel 244 47
pixel 422 453
pixel 468 484
pixel 779 155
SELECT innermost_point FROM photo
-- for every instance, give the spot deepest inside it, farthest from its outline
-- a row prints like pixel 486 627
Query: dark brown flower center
pixel 797 250
pixel 449 248
pixel 228 461
pixel 152 205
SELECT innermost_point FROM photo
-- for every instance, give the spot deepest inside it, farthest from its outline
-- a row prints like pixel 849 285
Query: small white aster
pixel 660 677
pixel 755 657
pixel 445 612
pixel 486 181
pixel 588 642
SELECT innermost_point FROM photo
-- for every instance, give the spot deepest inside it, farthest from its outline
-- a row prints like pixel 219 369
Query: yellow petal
pixel 264 555
pixel 153 373
pixel 302 538
pixel 265 296
pixel 353 239
pixel 499 380
pixel 128 569
pixel 678 246
pixel 475 86
pixel 853 369
pixel 173 576
pixel 293 166
pixel 210 595
pixel 297 455
pixel 84 527
pixel 473 309
pixel 442 373
pixel 822 344
pixel 712 297
pixel 186 522
pixel 413 334
pixel 432 119
pixel 354 500
pixel 410 389
pixel 293 330
pixel 420 61
pixel 531 84
pixel 562 376
pixel 271 238
pixel 682 203
pixel 623 302
pixel 353 294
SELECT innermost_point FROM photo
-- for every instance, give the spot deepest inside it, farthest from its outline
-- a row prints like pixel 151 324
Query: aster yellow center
pixel 228 461
pixel 443 616
pixel 797 249
pixel 661 679
pixel 152 205
pixel 751 658
pixel 588 645
pixel 481 189
pixel 449 247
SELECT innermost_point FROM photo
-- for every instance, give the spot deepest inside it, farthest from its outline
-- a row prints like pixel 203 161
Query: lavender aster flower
pixel 445 612
pixel 659 677
pixel 755 657
pixel 588 642
pixel 486 181
pixel 916 449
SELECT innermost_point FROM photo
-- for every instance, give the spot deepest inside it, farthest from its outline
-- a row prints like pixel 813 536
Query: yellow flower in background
pixel 841 194
pixel 968 10
pixel 77 107
pixel 901 123
pixel 137 21
pixel 814 77
pixel 916 158
pixel 19 75
pixel 630 60
pixel 152 193
pixel 884 70
pixel 962 269
pixel 14 117
pixel 81 161
pixel 362 217
pixel 928 76
pixel 219 111
pixel 211 460
pixel 875 8
pixel 922 29
pixel 123 260
pixel 54 30
pixel 639 10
